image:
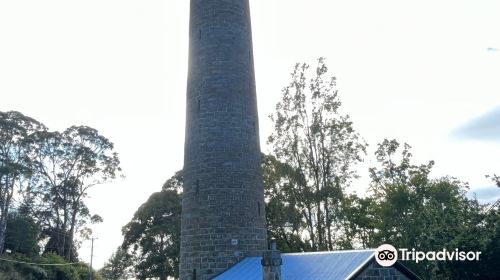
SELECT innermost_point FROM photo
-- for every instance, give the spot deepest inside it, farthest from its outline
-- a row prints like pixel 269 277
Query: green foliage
pixel 414 211
pixel 287 224
pixel 48 175
pixel 58 269
pixel 153 235
pixel 174 183
pixel 22 234
pixel 321 147
pixel 404 207
pixel 16 131
pixel 314 148
pixel 118 266
pixel 284 220
pixel 356 225
pixel 14 271
pixel 151 239
pixel 68 164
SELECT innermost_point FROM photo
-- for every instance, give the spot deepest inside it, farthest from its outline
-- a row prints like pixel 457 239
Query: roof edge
pixel 328 252
pixel 361 267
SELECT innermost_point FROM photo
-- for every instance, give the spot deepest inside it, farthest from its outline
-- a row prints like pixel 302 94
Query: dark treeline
pixel 310 205
pixel 44 179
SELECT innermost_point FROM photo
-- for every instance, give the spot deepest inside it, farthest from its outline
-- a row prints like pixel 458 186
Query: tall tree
pixel 320 144
pixel 153 235
pixel 16 130
pixel 68 164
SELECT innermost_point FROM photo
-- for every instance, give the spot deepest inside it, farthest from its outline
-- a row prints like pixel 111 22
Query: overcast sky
pixel 423 72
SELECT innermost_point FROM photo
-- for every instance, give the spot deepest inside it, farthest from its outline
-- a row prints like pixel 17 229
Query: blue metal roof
pixel 316 265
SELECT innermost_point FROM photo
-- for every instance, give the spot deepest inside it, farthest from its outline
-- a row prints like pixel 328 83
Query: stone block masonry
pixel 223 217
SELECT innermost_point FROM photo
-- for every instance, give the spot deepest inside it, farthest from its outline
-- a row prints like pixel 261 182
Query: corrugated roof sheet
pixel 318 265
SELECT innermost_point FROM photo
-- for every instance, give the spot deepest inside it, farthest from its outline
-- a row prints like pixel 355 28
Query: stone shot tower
pixel 223 217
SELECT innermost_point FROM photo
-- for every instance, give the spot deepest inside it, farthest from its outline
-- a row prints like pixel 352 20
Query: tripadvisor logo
pixel 387 255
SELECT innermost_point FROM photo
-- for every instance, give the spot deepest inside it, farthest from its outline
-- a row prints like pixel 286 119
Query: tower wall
pixel 223 217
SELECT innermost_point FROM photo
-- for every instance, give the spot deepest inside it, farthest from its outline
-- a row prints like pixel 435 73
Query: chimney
pixel 271 263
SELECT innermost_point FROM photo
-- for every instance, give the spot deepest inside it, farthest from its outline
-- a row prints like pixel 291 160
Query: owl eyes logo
pixel 386 255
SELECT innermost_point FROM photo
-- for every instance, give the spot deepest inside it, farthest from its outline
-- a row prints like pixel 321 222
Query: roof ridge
pixel 328 252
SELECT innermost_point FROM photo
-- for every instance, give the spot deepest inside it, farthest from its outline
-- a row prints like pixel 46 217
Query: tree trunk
pixel 3 228
pixel 72 229
pixel 69 244
pixel 319 225
pixel 328 225
pixel 5 204
pixel 308 215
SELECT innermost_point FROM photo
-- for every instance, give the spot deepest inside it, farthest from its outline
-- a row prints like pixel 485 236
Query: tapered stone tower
pixel 223 217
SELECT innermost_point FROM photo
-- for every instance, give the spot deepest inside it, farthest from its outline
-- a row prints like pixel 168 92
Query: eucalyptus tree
pixel 16 131
pixel 68 163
